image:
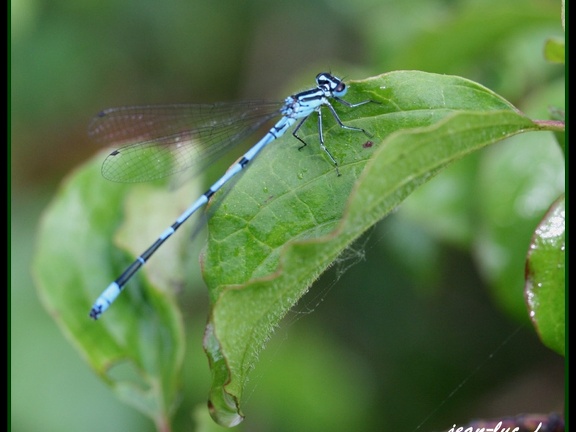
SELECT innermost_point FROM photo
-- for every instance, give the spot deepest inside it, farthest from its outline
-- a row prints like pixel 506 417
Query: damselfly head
pixel 331 84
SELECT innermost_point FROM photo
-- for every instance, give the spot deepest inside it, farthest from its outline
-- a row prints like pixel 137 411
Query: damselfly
pixel 163 140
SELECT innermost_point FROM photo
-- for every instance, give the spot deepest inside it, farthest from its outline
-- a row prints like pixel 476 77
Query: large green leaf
pixel 291 216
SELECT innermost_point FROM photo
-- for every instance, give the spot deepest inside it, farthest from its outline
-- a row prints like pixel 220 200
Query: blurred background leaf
pixel 424 275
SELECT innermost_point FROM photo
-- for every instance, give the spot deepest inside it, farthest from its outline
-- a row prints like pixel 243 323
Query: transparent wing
pixel 161 140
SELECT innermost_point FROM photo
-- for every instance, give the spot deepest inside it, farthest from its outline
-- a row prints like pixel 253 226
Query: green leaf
pixel 545 278
pixel 138 347
pixel 285 221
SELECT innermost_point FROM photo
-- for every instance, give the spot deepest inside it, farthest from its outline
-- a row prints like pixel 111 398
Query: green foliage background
pixel 422 307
